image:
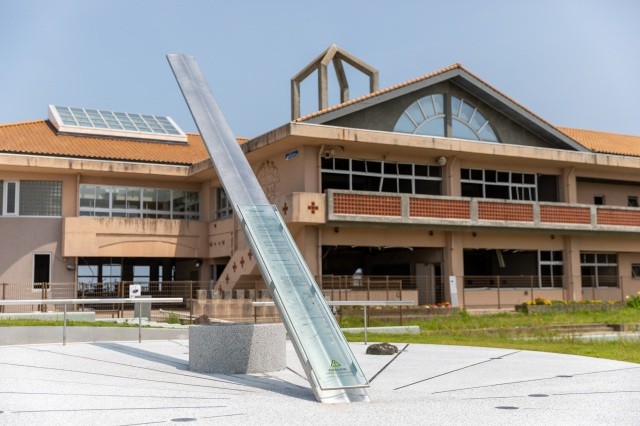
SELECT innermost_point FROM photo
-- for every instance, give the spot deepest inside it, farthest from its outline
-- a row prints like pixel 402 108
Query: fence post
pixel 121 310
pixel 332 298
pixel 365 324
pixel 387 286
pixel 531 286
pixel 464 289
pixel 64 326
pixel 255 295
pixel 190 302
pixel 621 281
pixel 400 281
pixel 368 288
pixel 140 322
pixel 498 284
pixel 4 285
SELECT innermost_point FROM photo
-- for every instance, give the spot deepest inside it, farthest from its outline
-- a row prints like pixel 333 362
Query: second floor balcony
pixel 463 212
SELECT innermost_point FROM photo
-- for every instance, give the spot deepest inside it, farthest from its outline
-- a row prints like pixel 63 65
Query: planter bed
pixel 573 307
pixel 394 313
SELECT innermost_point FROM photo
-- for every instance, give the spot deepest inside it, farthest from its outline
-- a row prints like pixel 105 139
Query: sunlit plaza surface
pixel 131 383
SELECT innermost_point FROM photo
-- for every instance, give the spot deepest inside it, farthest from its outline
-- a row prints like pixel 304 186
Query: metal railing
pixel 65 302
pixel 363 303
pixel 490 291
pixel 205 297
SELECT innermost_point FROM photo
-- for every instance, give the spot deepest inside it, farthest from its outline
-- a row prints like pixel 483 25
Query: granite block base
pixel 237 348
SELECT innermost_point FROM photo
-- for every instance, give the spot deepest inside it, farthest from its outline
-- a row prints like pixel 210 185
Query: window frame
pixel 386 175
pixel 553 261
pixel 224 208
pixel 191 203
pixel 597 264
pixel 519 188
pixel 16 198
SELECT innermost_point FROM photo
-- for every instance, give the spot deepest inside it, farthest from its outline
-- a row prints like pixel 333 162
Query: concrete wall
pixel 125 237
pixel 20 238
pixel 614 195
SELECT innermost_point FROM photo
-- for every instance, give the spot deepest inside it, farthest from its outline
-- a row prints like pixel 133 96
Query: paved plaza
pixel 148 383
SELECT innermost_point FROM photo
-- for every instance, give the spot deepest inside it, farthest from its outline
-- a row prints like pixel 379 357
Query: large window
pixel 599 269
pixel 428 116
pixel 508 185
pixel 31 198
pixel 551 268
pixel 224 209
pixel 99 277
pixel 498 184
pixel 154 203
pixel 485 268
pixel 385 176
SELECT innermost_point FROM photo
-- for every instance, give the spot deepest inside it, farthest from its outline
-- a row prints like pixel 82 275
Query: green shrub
pixel 634 302
pixel 173 318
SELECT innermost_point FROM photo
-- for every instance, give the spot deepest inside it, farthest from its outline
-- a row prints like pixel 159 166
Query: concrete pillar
pixel 572 281
pixel 453 263
pixel 451 178
pixel 568 187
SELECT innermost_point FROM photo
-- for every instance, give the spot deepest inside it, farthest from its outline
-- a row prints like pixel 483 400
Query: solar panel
pixel 111 123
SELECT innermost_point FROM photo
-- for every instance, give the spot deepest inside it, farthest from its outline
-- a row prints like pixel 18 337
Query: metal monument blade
pixel 330 366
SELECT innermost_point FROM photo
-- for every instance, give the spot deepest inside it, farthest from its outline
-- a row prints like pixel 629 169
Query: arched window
pixel 426 116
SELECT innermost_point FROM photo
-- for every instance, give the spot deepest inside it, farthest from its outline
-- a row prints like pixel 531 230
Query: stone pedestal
pixel 237 348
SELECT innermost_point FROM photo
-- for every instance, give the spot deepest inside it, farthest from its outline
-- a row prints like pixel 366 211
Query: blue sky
pixel 576 63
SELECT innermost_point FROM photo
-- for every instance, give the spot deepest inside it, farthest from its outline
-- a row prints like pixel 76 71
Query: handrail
pixel 363 303
pixel 65 302
pixel 91 301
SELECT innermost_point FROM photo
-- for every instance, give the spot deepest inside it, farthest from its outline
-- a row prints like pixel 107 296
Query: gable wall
pixel 384 116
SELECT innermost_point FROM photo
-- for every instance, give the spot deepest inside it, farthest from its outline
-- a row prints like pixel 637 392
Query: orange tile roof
pixel 603 142
pixel 40 138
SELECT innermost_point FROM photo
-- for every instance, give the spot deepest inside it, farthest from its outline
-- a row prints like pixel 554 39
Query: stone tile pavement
pixel 149 383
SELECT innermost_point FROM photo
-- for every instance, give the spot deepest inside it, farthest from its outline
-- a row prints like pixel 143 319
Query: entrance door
pixel 41 269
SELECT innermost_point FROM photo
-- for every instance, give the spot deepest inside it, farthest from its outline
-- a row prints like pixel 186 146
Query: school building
pixel 398 193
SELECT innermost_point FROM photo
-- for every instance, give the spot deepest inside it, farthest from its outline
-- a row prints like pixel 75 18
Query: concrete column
pixel 448 128
pixel 568 187
pixel 572 281
pixel 453 263
pixel 451 178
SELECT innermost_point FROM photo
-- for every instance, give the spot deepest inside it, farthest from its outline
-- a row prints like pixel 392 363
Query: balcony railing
pixel 361 206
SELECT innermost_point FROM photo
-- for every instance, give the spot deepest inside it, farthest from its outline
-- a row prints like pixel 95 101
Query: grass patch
pixel 515 331
pixel 27 322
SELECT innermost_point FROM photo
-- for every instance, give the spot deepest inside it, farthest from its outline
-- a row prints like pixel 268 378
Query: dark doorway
pixel 41 269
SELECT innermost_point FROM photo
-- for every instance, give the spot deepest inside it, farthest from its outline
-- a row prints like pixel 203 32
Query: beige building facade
pixel 442 179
